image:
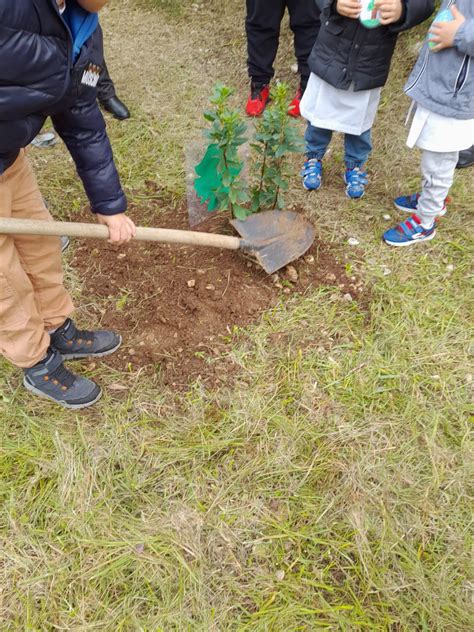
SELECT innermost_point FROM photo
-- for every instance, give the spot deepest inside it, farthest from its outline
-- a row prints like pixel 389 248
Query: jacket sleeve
pixel 28 62
pixel 82 128
pixel 415 12
pixel 464 38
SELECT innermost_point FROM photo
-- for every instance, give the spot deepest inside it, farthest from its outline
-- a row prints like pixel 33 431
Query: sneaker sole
pixel 36 391
pixel 409 243
pixel 82 356
pixel 355 198
pixel 310 188
pixel 404 209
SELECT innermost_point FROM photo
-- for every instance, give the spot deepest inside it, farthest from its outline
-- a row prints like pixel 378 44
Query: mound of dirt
pixel 176 307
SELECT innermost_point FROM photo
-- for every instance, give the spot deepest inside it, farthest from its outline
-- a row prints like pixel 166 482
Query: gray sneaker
pixel 50 378
pixel 74 344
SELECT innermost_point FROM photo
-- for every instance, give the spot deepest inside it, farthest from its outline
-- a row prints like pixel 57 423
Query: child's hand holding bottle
pixel 372 13
pixel 390 11
pixel 349 8
pixel 443 31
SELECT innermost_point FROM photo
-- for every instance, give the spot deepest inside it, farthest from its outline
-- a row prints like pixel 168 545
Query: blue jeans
pixel 356 148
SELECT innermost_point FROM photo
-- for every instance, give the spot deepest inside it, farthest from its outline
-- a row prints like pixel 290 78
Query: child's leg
pixel 262 25
pixel 437 170
pixel 317 142
pixel 305 23
pixel 356 153
pixel 357 149
pixel 32 296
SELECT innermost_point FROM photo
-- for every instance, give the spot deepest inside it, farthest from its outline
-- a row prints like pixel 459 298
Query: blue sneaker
pixel 356 181
pixel 409 232
pixel 312 174
pixel 409 203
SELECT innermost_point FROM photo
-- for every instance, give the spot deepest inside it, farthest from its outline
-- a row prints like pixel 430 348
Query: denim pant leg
pixel 357 149
pixel 317 141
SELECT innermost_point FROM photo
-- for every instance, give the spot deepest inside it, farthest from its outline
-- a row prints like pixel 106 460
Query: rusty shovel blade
pixel 275 238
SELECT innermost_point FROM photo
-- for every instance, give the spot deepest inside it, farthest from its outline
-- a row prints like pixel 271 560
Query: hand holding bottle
pixel 444 29
pixel 349 8
pixel 390 11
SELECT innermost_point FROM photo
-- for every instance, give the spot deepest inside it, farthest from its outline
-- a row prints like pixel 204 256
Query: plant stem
pixel 224 156
pixel 264 166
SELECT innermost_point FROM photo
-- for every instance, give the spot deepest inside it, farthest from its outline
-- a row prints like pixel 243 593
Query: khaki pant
pixel 33 299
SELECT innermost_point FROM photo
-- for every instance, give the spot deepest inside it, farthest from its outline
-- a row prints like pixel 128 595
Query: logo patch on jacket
pixel 91 75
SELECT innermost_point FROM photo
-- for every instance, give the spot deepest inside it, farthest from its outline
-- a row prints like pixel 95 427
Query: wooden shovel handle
pixel 11 226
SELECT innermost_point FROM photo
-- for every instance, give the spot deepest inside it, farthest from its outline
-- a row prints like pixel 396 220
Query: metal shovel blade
pixel 275 238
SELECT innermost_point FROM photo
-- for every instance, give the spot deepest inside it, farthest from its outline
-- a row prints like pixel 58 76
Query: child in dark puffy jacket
pixel 51 55
pixel 442 90
pixel 349 66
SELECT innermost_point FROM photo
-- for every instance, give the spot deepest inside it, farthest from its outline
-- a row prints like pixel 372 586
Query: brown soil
pixel 177 307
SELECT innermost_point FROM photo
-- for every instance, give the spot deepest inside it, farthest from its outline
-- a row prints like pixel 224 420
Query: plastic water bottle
pixel 369 16
pixel 443 16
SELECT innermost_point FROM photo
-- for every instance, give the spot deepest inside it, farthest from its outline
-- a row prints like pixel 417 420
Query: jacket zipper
pixel 462 75
pixel 422 70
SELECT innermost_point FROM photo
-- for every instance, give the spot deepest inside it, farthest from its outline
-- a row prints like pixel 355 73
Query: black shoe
pixel 73 344
pixel 466 158
pixel 50 378
pixel 116 107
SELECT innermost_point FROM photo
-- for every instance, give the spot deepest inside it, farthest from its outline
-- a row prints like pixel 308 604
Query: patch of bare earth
pixel 177 307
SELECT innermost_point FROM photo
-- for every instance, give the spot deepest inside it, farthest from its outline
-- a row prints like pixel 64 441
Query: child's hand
pixel 391 11
pixel 348 8
pixel 121 228
pixel 443 33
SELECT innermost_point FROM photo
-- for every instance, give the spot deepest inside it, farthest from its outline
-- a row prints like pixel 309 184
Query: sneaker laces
pixel 84 336
pixel 61 376
pixel 73 334
pixel 356 177
pixel 312 167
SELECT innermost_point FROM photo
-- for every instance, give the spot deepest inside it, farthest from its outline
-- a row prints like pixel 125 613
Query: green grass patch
pixel 329 486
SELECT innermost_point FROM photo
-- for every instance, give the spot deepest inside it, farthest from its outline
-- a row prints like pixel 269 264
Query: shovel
pixel 274 238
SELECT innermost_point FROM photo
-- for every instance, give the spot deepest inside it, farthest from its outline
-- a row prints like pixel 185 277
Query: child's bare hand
pixel 443 33
pixel 391 11
pixel 121 228
pixel 348 8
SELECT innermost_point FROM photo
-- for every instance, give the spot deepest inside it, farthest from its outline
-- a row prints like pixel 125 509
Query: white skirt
pixel 433 132
pixel 344 111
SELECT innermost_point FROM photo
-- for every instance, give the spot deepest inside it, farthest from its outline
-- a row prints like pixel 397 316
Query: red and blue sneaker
pixel 409 203
pixel 409 232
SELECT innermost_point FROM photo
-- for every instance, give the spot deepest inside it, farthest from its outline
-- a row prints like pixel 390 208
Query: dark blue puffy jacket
pixel 37 80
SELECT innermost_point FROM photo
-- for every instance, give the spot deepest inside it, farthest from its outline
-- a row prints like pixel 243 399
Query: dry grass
pixel 329 486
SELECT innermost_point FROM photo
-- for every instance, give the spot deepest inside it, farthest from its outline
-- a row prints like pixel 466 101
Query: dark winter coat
pixel 346 52
pixel 38 79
